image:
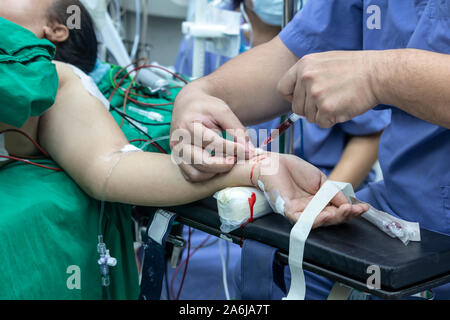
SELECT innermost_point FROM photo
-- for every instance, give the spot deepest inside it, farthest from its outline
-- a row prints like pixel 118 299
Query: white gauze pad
pixel 234 207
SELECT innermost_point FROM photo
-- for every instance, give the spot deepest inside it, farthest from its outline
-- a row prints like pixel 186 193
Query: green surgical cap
pixel 28 78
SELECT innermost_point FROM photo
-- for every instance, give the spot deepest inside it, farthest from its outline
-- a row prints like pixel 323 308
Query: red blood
pixel 280 130
pixel 251 202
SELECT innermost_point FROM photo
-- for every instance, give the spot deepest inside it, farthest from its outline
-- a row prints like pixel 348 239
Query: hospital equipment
pixel 213 30
pixel 113 42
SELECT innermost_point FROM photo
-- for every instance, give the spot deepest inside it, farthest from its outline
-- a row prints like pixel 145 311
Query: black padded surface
pixel 348 249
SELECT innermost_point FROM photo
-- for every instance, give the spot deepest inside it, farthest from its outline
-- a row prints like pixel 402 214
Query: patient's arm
pixel 84 139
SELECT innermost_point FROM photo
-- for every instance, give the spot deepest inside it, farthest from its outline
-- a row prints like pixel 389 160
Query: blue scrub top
pixel 414 154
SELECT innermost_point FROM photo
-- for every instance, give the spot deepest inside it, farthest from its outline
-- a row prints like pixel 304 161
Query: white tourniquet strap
pixel 301 231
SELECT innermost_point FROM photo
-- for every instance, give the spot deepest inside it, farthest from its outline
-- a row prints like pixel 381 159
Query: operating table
pixel 342 253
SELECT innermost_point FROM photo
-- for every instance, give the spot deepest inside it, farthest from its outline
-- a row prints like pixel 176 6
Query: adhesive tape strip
pixel 301 231
pixel 90 86
pixel 129 148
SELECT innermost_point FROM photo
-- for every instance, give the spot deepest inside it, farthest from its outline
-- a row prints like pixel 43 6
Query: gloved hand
pixel 331 87
pixel 290 183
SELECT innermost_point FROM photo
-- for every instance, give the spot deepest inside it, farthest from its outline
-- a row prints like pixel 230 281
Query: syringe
pixel 293 118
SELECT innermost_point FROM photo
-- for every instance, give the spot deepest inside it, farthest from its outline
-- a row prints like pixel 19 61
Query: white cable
pixel 224 271
pixel 118 12
pixel 247 20
pixel 144 22
pixel 137 37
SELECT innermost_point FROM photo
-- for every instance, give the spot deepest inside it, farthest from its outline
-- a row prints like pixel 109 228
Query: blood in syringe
pixel 278 132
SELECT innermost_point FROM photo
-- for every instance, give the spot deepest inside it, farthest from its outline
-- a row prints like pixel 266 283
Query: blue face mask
pixel 269 11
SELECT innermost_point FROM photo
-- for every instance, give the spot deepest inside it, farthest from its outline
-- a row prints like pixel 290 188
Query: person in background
pixel 345 152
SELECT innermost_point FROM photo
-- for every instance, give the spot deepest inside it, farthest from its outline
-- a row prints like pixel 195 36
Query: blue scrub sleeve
pixel 368 123
pixel 325 25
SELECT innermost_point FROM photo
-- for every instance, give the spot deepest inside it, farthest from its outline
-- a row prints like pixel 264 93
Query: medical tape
pixel 3 151
pixel 395 227
pixel 129 148
pixel 90 86
pixel 274 198
pixel 301 231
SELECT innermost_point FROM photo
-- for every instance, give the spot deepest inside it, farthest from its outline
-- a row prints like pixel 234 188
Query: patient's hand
pixel 290 184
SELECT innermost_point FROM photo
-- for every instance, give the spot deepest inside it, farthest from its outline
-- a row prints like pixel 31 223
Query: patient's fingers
pixel 333 215
pixel 339 200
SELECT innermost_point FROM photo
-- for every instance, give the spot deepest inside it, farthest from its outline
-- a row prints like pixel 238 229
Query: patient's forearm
pixel 357 160
pixel 151 179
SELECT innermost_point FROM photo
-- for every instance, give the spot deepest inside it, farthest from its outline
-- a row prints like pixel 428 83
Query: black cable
pixel 138 129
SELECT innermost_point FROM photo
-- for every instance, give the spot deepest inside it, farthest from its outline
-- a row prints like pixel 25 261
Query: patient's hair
pixel 81 47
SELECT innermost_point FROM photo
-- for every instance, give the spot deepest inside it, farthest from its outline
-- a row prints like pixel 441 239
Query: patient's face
pixel 30 14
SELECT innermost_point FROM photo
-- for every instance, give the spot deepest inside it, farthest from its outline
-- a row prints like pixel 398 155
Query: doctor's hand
pixel 331 87
pixel 196 137
pixel 290 183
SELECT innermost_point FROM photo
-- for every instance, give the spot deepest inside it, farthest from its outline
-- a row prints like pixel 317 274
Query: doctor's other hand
pixel 290 184
pixel 331 87
pixel 196 137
